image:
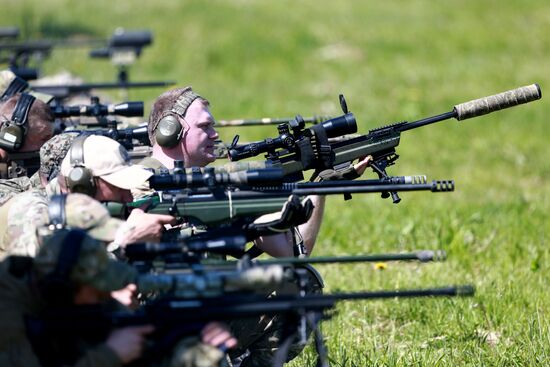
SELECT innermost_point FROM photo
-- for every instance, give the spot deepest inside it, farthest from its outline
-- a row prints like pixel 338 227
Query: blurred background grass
pixel 394 61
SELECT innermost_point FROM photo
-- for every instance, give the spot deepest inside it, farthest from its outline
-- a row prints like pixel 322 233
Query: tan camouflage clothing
pixel 9 187
pixel 25 214
pixel 18 222
pixel 93 267
pixel 52 153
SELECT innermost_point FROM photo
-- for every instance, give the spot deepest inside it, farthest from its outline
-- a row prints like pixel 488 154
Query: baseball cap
pixel 93 266
pixel 88 214
pixel 107 159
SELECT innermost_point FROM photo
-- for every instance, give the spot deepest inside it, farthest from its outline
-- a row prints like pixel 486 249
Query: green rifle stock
pixel 219 205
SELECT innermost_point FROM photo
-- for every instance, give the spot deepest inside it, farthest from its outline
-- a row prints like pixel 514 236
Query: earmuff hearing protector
pixel 56 212
pixel 80 179
pixel 12 133
pixel 56 287
pixel 169 130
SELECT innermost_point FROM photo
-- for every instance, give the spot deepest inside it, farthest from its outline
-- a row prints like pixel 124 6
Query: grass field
pixel 394 61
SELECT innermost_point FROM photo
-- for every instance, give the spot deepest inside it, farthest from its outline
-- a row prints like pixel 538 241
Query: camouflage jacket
pixel 20 217
pixel 9 187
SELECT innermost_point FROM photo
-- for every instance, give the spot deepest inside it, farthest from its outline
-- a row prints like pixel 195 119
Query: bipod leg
pixel 313 320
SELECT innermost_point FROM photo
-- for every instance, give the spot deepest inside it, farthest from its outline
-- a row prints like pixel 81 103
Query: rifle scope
pixel 230 244
pixel 333 128
pixel 122 39
pixel 138 133
pixel 211 178
pixel 128 109
pixel 9 32
pixel 25 73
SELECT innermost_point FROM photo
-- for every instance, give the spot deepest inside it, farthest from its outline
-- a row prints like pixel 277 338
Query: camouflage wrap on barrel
pixel 485 105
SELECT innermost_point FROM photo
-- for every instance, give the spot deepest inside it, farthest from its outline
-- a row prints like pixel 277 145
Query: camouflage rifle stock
pixel 305 149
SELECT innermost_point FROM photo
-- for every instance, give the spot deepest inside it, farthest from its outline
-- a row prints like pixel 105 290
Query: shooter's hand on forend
pixel 292 214
pixel 350 173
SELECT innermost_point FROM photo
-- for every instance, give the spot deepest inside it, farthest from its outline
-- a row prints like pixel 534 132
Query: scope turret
pixel 332 128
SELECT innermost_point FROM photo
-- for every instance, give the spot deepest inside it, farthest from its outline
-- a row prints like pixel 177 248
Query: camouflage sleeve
pixel 28 212
pixel 13 186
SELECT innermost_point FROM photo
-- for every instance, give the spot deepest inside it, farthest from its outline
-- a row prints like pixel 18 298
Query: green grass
pixel 393 60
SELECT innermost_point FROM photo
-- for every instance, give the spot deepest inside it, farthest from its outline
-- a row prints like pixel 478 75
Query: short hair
pixel 39 121
pixel 162 106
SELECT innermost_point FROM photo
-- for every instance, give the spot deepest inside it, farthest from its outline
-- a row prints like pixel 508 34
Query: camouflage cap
pixel 84 212
pixel 94 267
pixel 52 153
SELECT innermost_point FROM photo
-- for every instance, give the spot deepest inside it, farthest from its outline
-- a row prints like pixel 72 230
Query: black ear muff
pixel 80 179
pixel 56 287
pixel 168 132
pixel 56 211
pixel 12 133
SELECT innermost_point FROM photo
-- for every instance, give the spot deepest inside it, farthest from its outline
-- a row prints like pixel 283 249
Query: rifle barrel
pixel 269 121
pixel 423 256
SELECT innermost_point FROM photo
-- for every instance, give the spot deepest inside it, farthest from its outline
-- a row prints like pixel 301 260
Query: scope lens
pixel 340 126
